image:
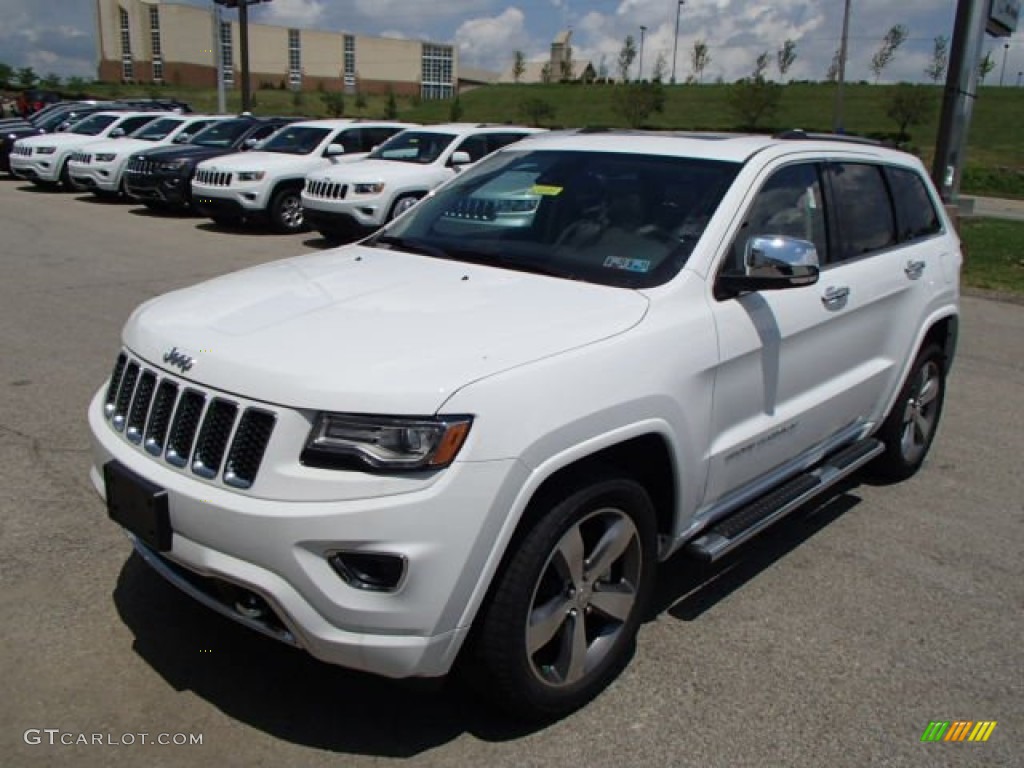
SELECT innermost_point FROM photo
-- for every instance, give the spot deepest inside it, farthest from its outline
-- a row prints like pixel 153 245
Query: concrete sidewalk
pixel 991 207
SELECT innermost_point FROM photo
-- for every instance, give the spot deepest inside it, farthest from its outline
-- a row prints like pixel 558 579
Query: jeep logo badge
pixel 179 360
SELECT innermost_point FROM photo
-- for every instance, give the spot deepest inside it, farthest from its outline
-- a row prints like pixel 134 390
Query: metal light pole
pixel 1002 73
pixel 837 118
pixel 675 40
pixel 640 74
pixel 243 43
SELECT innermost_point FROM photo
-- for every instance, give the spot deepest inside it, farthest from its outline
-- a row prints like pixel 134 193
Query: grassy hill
pixel 995 159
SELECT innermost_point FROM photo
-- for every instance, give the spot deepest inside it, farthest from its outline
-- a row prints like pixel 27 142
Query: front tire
pixel 562 621
pixel 909 429
pixel 286 211
pixel 403 204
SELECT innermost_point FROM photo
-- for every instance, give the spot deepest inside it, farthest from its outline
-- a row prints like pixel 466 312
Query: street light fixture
pixel 675 41
pixel 640 74
pixel 243 43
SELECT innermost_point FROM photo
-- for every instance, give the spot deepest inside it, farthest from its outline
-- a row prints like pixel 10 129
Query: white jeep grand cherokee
pixel 491 421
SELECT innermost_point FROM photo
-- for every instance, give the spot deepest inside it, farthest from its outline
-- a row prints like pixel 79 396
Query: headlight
pixel 172 165
pixel 368 189
pixel 45 150
pixel 251 175
pixel 105 157
pixel 341 440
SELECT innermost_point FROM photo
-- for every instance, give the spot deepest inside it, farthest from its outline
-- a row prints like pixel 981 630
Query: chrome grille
pixel 140 165
pixel 213 178
pixel 81 157
pixel 328 190
pixel 20 150
pixel 213 436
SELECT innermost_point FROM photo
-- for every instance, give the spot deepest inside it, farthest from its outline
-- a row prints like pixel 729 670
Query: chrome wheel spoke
pixel 545 621
pixel 615 602
pixel 610 548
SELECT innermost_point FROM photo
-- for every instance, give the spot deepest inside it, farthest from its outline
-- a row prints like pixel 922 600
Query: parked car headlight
pixel 340 440
pixel 105 157
pixel 172 165
pixel 45 150
pixel 368 189
pixel 251 175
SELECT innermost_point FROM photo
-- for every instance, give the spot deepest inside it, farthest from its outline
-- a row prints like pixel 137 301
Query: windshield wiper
pixel 412 246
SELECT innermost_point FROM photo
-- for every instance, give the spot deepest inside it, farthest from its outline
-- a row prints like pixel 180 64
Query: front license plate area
pixel 138 505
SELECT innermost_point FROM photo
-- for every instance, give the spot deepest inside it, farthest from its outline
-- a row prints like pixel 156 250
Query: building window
pixel 350 63
pixel 127 65
pixel 227 53
pixel 294 58
pixel 154 39
pixel 437 72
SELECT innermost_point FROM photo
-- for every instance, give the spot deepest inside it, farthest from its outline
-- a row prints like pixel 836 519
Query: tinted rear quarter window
pixel 916 216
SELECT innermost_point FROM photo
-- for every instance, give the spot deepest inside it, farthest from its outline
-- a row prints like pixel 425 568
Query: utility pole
pixel 243 43
pixel 675 40
pixel 958 99
pixel 640 73
pixel 1002 72
pixel 837 117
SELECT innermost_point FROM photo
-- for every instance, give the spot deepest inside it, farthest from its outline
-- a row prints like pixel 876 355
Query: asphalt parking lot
pixel 832 641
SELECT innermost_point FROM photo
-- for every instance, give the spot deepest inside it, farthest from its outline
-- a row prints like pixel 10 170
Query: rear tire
pixel 909 429
pixel 286 211
pixel 562 618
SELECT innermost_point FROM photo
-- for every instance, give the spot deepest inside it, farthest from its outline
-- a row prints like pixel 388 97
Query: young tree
pixel 985 66
pixel 893 39
pixel 51 81
pixel 908 105
pixel 785 56
pixel 700 59
pixel 545 72
pixel 940 59
pixel 334 103
pixel 626 56
pixel 518 66
pixel 566 73
pixel 26 77
pixel 761 65
pixel 535 111
pixel 832 74
pixel 753 100
pixel 391 108
pixel 660 68
pixel 455 110
pixel 635 102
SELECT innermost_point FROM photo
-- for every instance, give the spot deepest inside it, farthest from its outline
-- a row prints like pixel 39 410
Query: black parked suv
pixel 161 178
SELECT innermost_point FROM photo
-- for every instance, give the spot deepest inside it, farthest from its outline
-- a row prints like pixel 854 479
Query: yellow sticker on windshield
pixel 546 190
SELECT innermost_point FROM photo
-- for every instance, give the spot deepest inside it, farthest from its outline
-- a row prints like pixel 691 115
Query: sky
pixel 59 35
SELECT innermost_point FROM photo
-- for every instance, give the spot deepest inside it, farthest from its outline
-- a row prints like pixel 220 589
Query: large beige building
pixel 166 42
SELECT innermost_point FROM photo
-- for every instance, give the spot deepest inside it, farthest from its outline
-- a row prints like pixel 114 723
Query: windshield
pixel 158 130
pixel 93 125
pixel 221 135
pixel 421 147
pixel 612 218
pixel 295 140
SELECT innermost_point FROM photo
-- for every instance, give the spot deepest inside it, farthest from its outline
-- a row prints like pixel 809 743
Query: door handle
pixel 835 297
pixel 914 269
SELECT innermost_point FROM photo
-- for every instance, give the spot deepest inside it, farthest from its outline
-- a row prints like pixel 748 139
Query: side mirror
pixel 64 126
pixel 117 133
pixel 460 158
pixel 182 138
pixel 249 144
pixel 334 150
pixel 771 263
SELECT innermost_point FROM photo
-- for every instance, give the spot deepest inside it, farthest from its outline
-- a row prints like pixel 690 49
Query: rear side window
pixel 915 212
pixel 861 201
pixel 474 146
pixel 496 141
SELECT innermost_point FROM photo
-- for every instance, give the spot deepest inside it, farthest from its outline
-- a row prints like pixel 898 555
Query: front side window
pixel 157 130
pixel 916 216
pixel 92 126
pixel 615 219
pixel 422 147
pixel 862 206
pixel 296 140
pixel 789 204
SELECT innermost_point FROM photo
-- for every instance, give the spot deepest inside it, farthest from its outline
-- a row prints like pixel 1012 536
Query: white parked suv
pixel 475 434
pixel 343 201
pixel 45 160
pixel 266 182
pixel 99 166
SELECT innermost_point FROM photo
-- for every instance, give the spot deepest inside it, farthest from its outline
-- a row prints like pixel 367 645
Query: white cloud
pixel 293 13
pixel 489 42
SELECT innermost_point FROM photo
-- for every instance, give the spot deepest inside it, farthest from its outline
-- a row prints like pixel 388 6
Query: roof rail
pixel 798 134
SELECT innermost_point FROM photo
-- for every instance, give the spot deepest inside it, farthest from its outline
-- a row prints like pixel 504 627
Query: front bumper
pixel 445 527
pixel 363 213
pixel 104 177
pixel 241 201
pixel 36 167
pixel 163 188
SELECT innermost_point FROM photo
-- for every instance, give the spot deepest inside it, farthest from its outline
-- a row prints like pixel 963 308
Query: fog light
pixel 371 571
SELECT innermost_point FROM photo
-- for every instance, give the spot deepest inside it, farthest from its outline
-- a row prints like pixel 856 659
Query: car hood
pixel 183 152
pixel 119 146
pixel 370 170
pixel 254 160
pixel 374 331
pixel 61 140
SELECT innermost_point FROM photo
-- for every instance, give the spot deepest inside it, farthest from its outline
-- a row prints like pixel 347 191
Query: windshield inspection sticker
pixel 630 265
pixel 546 190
